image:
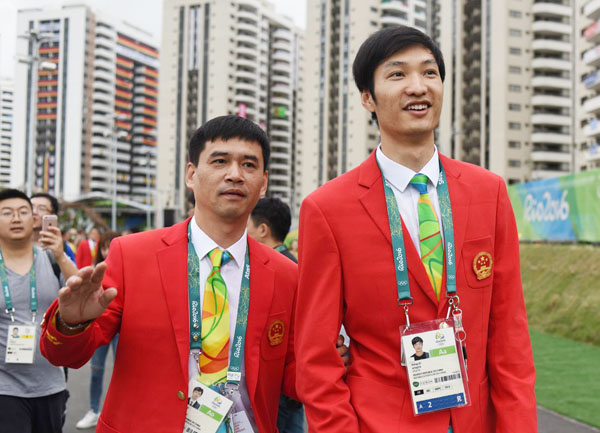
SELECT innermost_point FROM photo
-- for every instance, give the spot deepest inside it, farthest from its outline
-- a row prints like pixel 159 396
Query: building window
pixel 515 51
pixel 514 163
pixel 515 32
pixel 514 126
pixel 515 14
pixel 514 88
pixel 514 107
pixel 514 69
pixel 514 144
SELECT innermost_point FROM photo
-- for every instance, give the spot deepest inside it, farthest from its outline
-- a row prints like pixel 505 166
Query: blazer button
pixel 180 395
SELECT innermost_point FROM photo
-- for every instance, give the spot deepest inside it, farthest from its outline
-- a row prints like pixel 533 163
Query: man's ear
pixel 367 101
pixel 190 170
pixel 264 230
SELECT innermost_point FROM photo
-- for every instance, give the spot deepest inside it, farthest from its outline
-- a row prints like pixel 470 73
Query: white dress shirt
pixel 407 196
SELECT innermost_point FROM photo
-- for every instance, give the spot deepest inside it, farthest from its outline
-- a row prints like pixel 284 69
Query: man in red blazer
pixel 87 249
pixel 347 267
pixel 145 296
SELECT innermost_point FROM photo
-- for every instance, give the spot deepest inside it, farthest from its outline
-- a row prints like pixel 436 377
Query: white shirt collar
pixel 203 244
pixel 400 176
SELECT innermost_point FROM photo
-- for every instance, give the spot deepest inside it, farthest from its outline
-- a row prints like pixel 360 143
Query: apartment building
pixel 236 57
pixel 589 85
pixel 6 130
pixel 512 96
pixel 86 112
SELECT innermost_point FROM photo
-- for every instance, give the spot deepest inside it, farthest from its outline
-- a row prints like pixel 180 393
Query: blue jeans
pixel 291 416
pixel 98 361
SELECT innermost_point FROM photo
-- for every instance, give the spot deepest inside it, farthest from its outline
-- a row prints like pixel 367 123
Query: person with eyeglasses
pixel 32 391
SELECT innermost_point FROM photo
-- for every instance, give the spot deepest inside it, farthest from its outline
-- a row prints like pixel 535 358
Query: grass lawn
pixel 567 376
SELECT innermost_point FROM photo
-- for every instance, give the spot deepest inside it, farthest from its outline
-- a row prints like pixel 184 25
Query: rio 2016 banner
pixel 566 208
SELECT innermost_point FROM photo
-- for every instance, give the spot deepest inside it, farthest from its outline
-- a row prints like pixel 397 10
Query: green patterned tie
pixel 432 250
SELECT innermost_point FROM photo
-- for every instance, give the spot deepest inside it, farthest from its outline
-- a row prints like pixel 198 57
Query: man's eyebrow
pixel 251 157
pixel 218 153
pixel 394 63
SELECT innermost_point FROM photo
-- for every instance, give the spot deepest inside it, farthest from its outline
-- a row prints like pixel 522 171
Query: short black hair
pixel 198 388
pixel 416 340
pixel 382 45
pixel 53 201
pixel 226 128
pixel 5 194
pixel 275 214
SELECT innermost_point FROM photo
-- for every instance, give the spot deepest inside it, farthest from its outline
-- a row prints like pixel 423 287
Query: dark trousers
pixel 32 415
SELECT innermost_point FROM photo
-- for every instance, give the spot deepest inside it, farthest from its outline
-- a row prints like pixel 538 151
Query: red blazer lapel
pixel 262 285
pixel 460 198
pixel 172 264
pixel 373 200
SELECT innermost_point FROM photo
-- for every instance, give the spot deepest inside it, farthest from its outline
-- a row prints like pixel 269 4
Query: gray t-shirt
pixel 40 378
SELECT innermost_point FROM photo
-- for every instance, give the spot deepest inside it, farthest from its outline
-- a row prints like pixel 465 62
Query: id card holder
pixel 207 409
pixel 435 366
pixel 20 344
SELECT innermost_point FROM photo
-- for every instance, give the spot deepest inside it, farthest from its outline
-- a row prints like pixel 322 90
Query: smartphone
pixel 49 221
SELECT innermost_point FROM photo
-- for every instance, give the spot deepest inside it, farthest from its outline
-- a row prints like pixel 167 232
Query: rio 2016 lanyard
pixel 280 248
pixel 9 308
pixel 234 373
pixel 400 265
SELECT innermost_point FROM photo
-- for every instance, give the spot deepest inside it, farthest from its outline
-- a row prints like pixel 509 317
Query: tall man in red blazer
pixel 347 267
pixel 144 296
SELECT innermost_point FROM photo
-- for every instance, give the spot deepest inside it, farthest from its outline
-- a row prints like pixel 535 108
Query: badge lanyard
pixel 234 373
pixel 400 264
pixel 9 308
pixel 280 248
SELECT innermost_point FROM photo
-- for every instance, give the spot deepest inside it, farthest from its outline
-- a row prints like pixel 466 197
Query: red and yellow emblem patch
pixel 482 265
pixel 276 333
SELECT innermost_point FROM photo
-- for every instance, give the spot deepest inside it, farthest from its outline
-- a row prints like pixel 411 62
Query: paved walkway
pixel 551 422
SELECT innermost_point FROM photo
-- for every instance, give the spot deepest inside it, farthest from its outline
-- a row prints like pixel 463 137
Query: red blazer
pixel 347 276
pixel 84 257
pixel 150 312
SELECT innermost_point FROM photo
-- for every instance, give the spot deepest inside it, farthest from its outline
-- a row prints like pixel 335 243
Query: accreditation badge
pixel 207 409
pixel 435 366
pixel 20 344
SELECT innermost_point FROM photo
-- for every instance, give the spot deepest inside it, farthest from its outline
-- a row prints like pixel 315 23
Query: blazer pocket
pixel 478 262
pixel 274 341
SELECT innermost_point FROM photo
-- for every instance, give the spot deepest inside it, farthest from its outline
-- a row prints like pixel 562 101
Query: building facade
pixel 86 113
pixel 220 58
pixel 6 130
pixel 513 70
pixel 589 102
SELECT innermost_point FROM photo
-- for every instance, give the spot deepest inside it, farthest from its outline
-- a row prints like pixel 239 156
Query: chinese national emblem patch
pixel 276 333
pixel 482 265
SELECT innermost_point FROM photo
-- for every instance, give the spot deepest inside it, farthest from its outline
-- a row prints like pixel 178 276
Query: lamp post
pixel 35 38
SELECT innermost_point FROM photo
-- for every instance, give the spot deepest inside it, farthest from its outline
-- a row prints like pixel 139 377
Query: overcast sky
pixel 131 10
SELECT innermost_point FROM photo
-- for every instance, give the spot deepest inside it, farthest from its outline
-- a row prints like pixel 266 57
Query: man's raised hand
pixel 83 298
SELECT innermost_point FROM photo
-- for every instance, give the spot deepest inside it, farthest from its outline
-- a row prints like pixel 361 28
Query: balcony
pixel 247 52
pixel 551 27
pixel 395 6
pixel 247 29
pixel 246 63
pixel 550 101
pixel 283 34
pixel 280 101
pixel 592 105
pixel 247 87
pixel 552 46
pixel 592 56
pixel 541 81
pixel 245 99
pixel 551 138
pixel 592 129
pixel 394 21
pixel 284 67
pixel 546 156
pixel 250 40
pixel 592 32
pixel 592 9
pixel 550 119
pixel 551 64
pixel 551 9
pixel 281 55
pixel 249 16
pixel 546 174
pixel 592 81
pixel 592 154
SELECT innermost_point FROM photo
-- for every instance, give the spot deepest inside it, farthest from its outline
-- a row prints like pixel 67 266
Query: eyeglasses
pixel 41 209
pixel 9 214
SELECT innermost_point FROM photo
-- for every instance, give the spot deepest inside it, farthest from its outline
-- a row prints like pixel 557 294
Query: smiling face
pixel 227 181
pixel 408 95
pixel 16 219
